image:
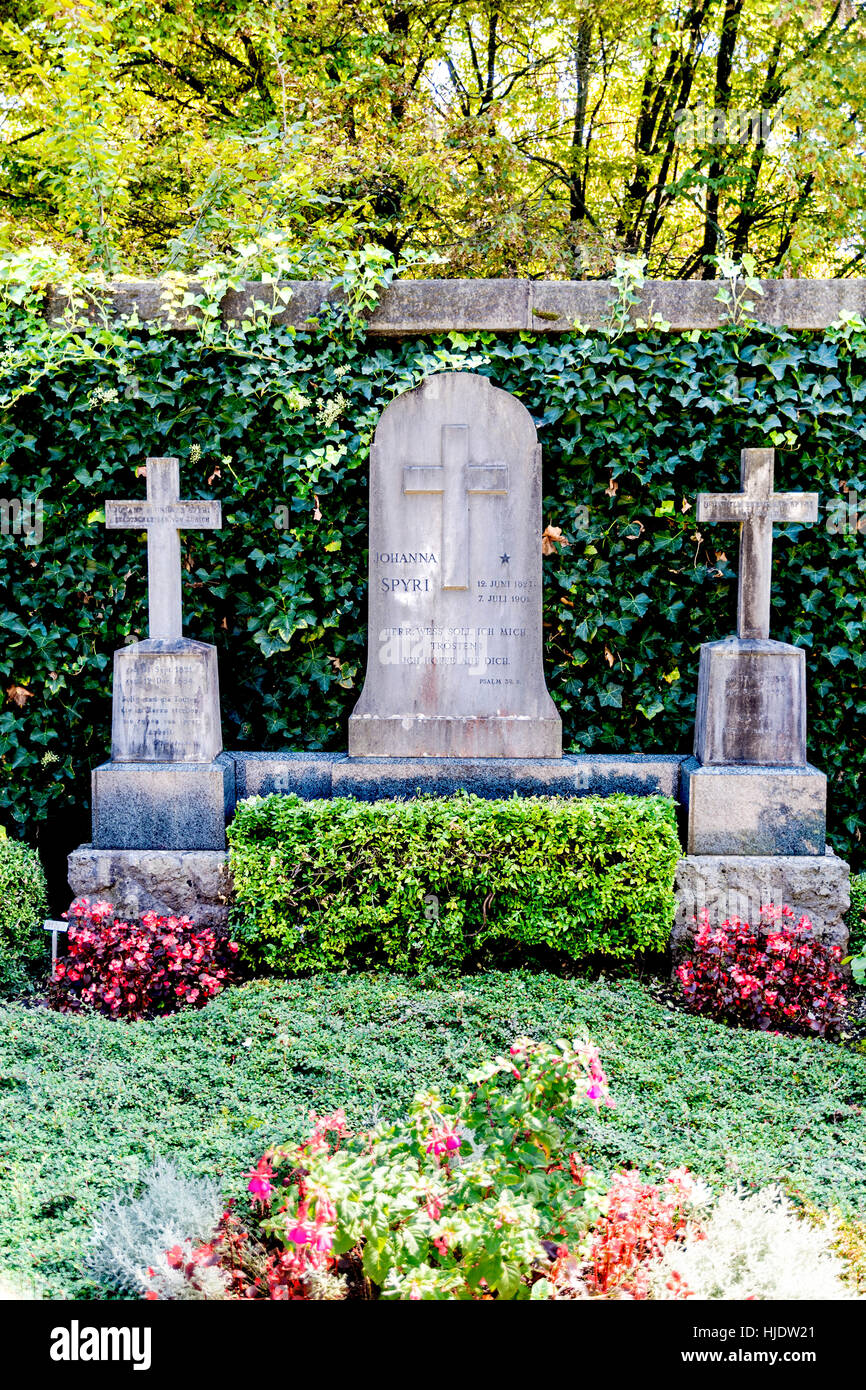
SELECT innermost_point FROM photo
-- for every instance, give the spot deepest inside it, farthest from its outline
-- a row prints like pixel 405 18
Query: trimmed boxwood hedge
pixel 321 884
pixel 23 908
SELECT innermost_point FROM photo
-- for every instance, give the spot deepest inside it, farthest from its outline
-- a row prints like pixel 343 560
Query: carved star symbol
pixel 505 559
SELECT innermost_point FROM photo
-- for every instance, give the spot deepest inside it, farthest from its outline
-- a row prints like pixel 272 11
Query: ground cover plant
pixel 435 880
pixel 87 1105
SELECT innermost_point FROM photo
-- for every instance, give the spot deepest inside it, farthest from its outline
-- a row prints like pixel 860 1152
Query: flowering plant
pixel 480 1197
pixel 131 971
pixel 469 1198
pixel 640 1221
pixel 765 978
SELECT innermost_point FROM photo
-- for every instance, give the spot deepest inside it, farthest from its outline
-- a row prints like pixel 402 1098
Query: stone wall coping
pixel 413 307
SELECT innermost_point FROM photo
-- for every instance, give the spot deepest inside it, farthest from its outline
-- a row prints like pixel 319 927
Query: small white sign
pixel 54 928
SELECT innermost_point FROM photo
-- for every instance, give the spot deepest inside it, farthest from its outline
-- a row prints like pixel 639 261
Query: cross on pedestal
pixel 163 516
pixel 457 480
pixel 756 507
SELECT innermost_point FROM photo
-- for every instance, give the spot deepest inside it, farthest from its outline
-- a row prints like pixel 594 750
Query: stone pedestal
pixel 751 705
pixel 731 886
pixel 750 810
pixel 174 806
pixel 191 883
pixel 166 705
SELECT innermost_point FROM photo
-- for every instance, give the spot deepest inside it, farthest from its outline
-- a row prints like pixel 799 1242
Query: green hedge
pixel 320 884
pixel 856 917
pixel 631 430
pixel 24 950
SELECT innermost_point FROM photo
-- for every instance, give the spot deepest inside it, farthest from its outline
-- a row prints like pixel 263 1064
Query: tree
pixel 516 137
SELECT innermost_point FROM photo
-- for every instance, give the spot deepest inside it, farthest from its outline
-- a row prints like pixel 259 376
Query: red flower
pixel 122 970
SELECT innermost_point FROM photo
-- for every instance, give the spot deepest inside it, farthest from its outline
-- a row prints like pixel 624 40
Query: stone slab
pixel 408 307
pixel 751 706
pixel 163 805
pixel 188 883
pixel 166 706
pixel 311 775
pixel 454 662
pixel 306 774
pixel 754 810
pixel 740 885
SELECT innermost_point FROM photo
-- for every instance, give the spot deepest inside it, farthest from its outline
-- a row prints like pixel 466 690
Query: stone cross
pixel 163 516
pixel 457 480
pixel 756 507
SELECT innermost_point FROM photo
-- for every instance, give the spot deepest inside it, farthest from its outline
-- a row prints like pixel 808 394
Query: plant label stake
pixel 54 928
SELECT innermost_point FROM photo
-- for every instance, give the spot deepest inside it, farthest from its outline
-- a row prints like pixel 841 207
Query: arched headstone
pixel 454 665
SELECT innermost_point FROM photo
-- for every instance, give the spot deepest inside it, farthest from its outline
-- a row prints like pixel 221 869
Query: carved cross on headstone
pixel 163 516
pixel 457 480
pixel 756 507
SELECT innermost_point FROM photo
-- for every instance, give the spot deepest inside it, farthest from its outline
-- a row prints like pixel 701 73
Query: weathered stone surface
pixel 306 774
pixel 739 886
pixel 190 883
pixel 543 306
pixel 163 515
pixel 754 810
pixel 377 778
pixel 454 664
pixel 751 703
pixel 471 305
pixel 166 704
pixel 162 805
pixel 311 775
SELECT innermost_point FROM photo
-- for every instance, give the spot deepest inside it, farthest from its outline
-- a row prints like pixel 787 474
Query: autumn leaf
pixel 19 695
pixel 317 515
pixel 612 488
pixel 608 656
pixel 215 474
pixel 551 538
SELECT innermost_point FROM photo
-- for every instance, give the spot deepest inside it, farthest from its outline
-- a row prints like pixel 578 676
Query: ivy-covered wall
pixel 278 424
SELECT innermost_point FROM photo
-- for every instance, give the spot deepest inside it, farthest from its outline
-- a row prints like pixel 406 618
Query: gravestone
pixel 166 689
pixel 166 786
pixel 749 789
pixel 454 666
